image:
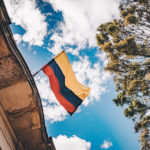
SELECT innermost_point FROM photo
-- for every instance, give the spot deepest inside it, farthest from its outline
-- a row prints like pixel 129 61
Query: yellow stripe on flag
pixel 70 80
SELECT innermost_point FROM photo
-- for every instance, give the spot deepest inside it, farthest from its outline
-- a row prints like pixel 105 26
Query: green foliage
pixel 126 12
pixel 130 19
pixel 127 46
pixel 113 29
pixel 143 1
pixel 121 99
pixel 107 47
pixel 143 128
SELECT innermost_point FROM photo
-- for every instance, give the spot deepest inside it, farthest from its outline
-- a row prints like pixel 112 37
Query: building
pixel 22 125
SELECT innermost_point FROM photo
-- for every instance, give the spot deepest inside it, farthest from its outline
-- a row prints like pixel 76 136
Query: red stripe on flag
pixel 56 89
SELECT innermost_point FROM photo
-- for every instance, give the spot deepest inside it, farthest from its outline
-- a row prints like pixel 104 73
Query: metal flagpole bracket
pixel 34 74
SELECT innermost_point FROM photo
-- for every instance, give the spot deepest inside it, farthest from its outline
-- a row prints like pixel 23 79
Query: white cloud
pixel 85 72
pixel 17 38
pixel 103 58
pixel 62 142
pixel 26 14
pixel 81 20
pixel 89 74
pixel 106 145
pixel 147 113
pixel 53 111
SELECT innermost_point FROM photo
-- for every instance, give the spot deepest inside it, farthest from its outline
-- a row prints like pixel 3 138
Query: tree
pixel 127 44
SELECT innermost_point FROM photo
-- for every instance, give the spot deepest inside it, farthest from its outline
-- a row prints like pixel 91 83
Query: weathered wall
pixel 10 73
pixel 6 136
pixel 19 97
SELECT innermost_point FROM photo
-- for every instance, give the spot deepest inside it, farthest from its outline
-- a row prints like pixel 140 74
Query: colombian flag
pixel 68 90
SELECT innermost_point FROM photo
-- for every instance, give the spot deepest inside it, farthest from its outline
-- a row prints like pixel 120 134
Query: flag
pixel 67 89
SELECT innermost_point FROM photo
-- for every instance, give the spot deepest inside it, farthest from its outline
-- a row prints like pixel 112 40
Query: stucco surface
pixel 19 96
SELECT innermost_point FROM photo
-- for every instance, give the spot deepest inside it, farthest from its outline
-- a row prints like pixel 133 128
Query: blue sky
pixel 42 29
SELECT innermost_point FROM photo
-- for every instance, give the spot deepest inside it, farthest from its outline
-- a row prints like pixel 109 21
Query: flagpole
pixel 34 74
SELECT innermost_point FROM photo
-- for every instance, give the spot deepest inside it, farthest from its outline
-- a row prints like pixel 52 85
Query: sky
pixel 42 29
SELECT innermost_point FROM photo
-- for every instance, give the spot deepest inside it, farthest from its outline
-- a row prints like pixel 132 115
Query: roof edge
pixel 11 44
pixel 4 13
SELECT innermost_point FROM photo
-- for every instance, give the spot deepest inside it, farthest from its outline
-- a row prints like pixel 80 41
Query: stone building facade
pixel 22 125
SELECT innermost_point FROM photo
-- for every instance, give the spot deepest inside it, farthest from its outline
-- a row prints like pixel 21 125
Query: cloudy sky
pixel 42 29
